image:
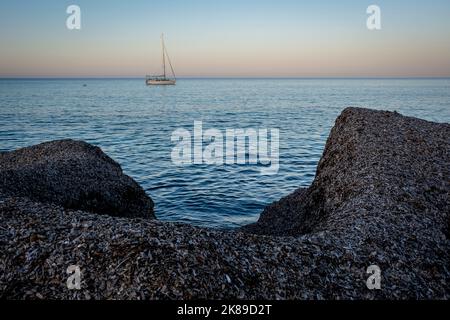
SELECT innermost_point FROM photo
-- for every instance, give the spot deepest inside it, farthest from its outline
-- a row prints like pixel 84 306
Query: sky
pixel 232 38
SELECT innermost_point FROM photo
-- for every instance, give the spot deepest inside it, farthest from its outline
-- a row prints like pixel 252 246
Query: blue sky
pixel 226 38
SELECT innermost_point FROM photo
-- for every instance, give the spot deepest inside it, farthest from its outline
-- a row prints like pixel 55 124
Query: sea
pixel 135 125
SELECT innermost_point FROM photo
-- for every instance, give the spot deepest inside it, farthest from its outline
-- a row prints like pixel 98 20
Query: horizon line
pixel 220 77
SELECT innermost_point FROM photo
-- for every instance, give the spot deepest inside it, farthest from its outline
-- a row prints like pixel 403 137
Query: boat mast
pixel 170 63
pixel 163 54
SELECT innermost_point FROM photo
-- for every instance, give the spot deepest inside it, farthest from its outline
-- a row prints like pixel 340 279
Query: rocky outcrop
pixel 380 197
pixel 74 175
pixel 378 169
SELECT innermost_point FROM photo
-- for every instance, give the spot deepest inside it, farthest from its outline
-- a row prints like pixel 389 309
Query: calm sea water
pixel 133 124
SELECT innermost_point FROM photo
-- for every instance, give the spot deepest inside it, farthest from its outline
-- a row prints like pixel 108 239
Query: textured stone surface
pixel 377 168
pixel 75 175
pixel 381 196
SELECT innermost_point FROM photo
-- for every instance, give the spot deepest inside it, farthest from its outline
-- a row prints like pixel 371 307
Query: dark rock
pixel 75 175
pixel 376 167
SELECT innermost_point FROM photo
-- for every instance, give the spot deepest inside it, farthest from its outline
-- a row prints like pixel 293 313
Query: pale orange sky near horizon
pixel 267 41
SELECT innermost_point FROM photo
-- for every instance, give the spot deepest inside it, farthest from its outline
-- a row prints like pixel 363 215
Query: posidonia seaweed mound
pixel 75 175
pixel 380 197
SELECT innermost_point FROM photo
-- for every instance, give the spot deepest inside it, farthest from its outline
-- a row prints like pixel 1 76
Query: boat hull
pixel 161 82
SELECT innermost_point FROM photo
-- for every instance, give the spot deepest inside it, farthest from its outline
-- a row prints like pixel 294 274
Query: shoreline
pixel 380 197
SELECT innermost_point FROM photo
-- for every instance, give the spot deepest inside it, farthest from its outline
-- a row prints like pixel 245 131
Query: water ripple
pixel 133 124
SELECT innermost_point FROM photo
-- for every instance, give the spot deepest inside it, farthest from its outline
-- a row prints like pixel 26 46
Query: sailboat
pixel 162 79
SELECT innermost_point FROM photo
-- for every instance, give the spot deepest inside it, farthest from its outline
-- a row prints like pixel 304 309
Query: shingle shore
pixel 380 196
